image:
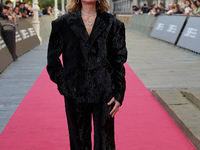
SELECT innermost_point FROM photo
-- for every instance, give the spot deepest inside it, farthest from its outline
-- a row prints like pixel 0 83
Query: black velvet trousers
pixel 79 116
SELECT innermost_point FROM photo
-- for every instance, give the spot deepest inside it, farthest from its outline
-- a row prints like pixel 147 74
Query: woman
pixel 153 10
pixel 187 9
pixel 172 9
pixel 196 10
pixel 92 44
pixel 178 9
pixel 16 13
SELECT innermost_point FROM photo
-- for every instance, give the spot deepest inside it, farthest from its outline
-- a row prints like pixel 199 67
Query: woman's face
pixel 187 3
pixel 198 3
pixel 17 9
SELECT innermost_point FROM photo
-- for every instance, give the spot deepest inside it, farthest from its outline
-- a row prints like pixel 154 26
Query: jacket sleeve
pixel 54 66
pixel 119 53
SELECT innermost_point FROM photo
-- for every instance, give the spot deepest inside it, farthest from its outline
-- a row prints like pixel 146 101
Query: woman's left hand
pixel 115 108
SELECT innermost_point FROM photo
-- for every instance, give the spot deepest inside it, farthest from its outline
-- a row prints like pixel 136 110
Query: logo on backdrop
pixel 190 32
pixel 160 26
pixel 172 28
pixel 24 34
pixel 2 44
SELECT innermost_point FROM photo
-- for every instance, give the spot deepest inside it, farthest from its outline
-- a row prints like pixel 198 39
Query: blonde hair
pixel 73 6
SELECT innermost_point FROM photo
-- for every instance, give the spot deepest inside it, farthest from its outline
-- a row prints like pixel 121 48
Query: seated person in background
pixel 178 9
pixel 153 10
pixel 196 10
pixel 160 10
pixel 144 8
pixel 3 12
pixel 187 9
pixel 16 13
pixel 134 9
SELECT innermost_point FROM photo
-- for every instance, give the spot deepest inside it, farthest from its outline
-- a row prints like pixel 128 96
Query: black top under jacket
pixel 92 69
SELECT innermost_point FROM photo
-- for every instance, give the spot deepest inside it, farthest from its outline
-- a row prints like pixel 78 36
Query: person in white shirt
pixel 187 9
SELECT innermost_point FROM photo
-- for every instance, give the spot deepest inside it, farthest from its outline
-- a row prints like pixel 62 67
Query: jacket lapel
pixel 77 25
pixel 100 25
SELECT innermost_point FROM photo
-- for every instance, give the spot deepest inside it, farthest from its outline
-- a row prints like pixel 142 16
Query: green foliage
pixel 45 3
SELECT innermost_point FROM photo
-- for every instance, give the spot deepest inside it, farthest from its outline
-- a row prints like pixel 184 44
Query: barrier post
pixel 36 22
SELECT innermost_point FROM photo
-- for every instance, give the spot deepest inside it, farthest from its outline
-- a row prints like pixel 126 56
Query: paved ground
pixel 160 66
pixel 17 79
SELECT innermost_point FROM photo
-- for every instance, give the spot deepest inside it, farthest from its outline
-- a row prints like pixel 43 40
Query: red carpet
pixel 142 124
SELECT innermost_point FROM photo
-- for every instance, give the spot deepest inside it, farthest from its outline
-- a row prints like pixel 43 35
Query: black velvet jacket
pixel 92 69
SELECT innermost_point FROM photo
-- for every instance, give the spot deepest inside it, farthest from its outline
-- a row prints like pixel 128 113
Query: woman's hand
pixel 115 108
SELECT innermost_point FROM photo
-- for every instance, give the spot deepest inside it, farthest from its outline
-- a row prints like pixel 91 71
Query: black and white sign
pixel 190 37
pixel 167 28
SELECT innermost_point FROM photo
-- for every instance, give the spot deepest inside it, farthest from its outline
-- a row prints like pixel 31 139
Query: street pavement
pixel 159 65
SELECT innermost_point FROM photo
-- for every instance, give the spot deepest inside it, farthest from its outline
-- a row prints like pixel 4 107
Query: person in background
pixel 23 10
pixel 134 9
pixel 16 13
pixel 194 2
pixel 144 8
pixel 139 11
pixel 30 10
pixel 179 10
pixel 9 3
pixel 196 10
pixel 17 4
pixel 10 10
pixel 153 10
pixel 39 13
pixel 3 12
pixel 172 9
pixel 160 10
pixel 187 9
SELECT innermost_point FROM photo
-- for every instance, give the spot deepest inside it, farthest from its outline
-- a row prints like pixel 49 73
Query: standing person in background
pixel 179 10
pixel 194 2
pixel 160 10
pixel 92 77
pixel 144 8
pixel 3 12
pixel 23 10
pixel 10 11
pixel 153 10
pixel 187 9
pixel 196 10
pixel 16 13
pixel 134 9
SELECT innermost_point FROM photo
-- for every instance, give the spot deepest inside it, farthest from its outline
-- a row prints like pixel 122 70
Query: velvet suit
pixel 92 71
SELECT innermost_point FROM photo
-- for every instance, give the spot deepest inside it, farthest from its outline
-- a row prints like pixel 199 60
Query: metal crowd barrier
pixel 142 24
pixel 15 41
pixel 176 29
